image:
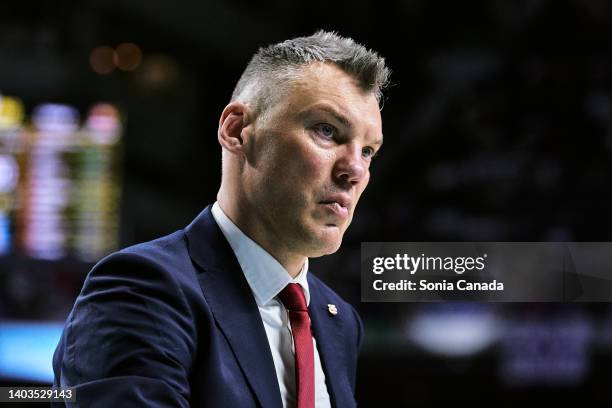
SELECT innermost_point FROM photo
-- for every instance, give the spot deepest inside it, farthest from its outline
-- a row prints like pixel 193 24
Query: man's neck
pixel 292 262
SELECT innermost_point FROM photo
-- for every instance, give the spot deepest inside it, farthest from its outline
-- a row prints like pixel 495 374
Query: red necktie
pixel 293 299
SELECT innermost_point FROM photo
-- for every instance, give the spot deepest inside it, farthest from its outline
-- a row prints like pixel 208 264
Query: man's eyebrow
pixel 344 121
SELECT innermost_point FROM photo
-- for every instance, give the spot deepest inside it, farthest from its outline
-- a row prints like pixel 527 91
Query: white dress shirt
pixel 267 277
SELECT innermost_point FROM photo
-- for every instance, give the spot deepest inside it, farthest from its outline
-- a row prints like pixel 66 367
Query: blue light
pixel 26 350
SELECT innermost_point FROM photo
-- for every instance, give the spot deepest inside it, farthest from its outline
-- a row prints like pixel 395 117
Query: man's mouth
pixel 338 205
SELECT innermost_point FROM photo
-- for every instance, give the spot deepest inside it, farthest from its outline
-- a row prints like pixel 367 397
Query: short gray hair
pixel 273 65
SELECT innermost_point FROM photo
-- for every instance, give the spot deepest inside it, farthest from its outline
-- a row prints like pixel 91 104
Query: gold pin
pixel 332 309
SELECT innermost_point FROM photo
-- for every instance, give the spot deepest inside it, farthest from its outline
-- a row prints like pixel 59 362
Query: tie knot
pixel 293 298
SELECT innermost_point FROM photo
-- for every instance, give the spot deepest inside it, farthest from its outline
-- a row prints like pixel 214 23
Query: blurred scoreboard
pixel 59 180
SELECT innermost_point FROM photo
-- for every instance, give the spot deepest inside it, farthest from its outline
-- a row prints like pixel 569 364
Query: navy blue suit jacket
pixel 173 323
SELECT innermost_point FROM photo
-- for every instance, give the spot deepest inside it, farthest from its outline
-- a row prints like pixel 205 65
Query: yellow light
pixel 11 111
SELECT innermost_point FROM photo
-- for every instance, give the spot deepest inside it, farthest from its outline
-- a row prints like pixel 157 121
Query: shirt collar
pixel 264 274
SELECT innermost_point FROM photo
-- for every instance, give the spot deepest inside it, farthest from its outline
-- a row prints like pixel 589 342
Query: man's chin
pixel 327 240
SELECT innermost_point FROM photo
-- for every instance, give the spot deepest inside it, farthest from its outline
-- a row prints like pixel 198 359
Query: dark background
pixel 498 127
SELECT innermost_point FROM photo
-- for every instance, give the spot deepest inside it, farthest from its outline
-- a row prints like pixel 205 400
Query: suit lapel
pixel 327 330
pixel 233 306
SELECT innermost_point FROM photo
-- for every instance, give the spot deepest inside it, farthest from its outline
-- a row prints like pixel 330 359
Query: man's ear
pixel 235 118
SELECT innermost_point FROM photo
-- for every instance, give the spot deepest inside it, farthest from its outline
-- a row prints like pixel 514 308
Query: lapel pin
pixel 333 310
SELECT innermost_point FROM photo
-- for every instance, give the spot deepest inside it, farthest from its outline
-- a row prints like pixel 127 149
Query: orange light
pixel 128 56
pixel 102 59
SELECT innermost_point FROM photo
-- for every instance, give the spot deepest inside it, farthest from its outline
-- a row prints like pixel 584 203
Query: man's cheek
pixel 314 167
pixel 361 189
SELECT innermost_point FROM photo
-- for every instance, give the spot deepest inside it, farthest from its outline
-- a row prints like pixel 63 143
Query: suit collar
pixel 233 306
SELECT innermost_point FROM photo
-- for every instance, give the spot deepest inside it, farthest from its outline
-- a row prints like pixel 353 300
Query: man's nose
pixel 351 166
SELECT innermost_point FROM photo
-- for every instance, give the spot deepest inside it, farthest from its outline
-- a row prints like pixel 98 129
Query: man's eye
pixel 368 152
pixel 326 130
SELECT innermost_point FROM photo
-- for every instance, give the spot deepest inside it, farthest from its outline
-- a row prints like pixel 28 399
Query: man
pixel 225 312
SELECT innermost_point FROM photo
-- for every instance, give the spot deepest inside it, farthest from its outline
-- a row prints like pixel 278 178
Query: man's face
pixel 309 160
